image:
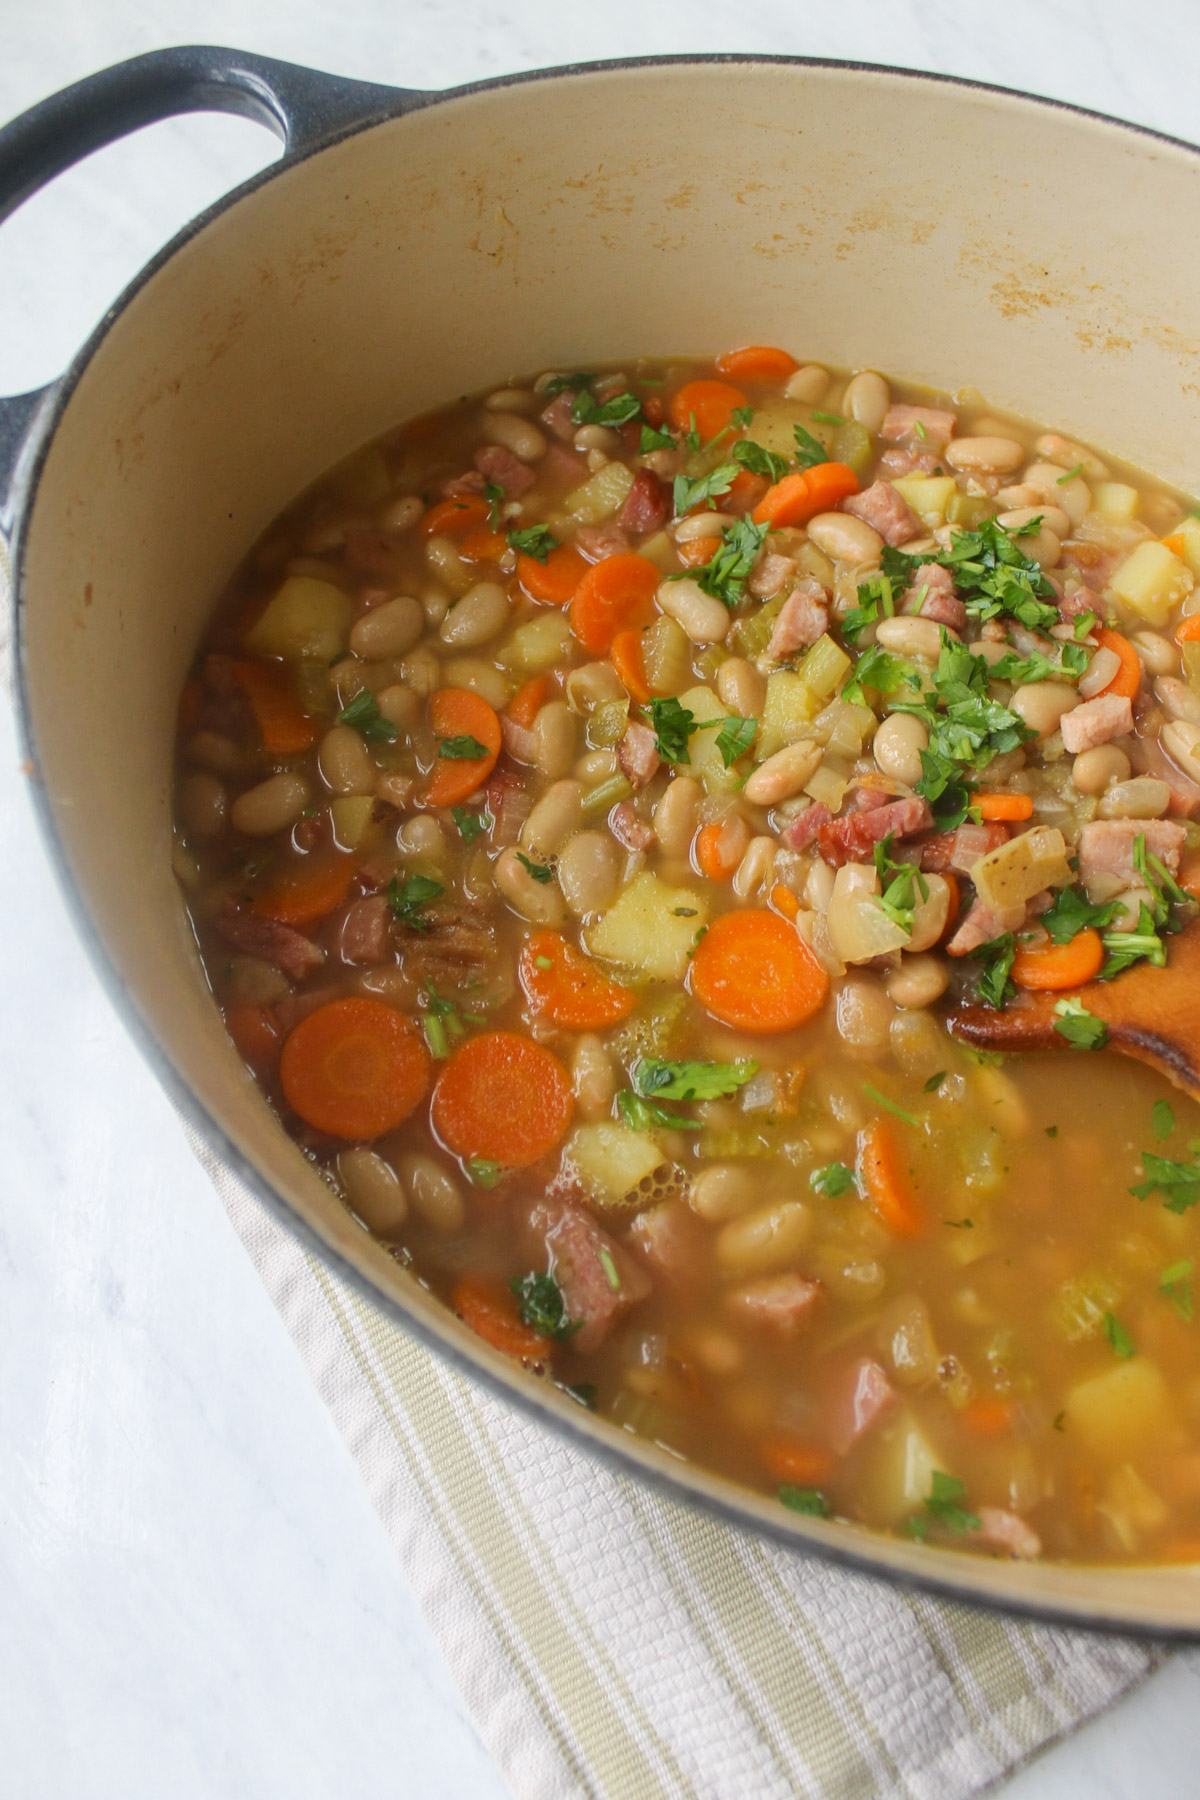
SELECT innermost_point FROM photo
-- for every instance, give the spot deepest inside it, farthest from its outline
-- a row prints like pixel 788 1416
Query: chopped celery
pixel 602 496
pixel 351 819
pixel 824 668
pixel 314 686
pixel 790 708
pixel 1080 1304
pixel 852 446
pixel 606 726
pixel 709 660
pixel 968 510
pixel 751 635
pixel 736 1142
pixel 607 795
pixel 538 644
pixel 666 657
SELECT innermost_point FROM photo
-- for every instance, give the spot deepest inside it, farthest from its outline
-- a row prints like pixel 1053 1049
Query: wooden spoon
pixel 1152 1014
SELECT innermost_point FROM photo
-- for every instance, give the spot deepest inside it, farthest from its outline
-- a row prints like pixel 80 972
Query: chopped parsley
pixel 1082 1029
pixel 1083 624
pixel 935 1081
pixel 542 1307
pixel 875 601
pixel 880 669
pixel 543 962
pixel 1070 913
pixel 759 461
pixel 1070 475
pixel 408 901
pixel 610 1268
pixel 724 574
pixel 471 824
pixel 691 1080
pixel 1127 947
pixel 538 871
pixel 994 578
pixel 873 1094
pixel 536 541
pixel 824 418
pixel 1162 1119
pixel 462 749
pixel 1174 1283
pixel 996 957
pixel 558 384
pixel 617 410
pixel 1177 1182
pixel 809 450
pixel 735 738
pixel 646 1115
pixel 364 715
pixel 944 1507
pixel 653 439
pixel 673 725
pixel 901 884
pixel 704 489
pixel 742 416
pixel 809 1501
pixel 833 1180
pixel 482 1172
pixel 1117 1336
pixel 440 1022
pixel 493 493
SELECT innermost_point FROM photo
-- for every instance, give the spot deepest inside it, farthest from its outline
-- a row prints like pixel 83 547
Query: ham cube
pixel 928 426
pixel 1096 721
pixel 598 1279
pixel 864 1396
pixel 886 510
pixel 1106 846
pixel 780 1303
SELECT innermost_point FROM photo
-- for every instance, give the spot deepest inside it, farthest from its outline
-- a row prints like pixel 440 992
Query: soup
pixel 594 802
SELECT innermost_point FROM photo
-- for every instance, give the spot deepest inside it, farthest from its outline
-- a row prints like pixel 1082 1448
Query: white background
pixel 195 1598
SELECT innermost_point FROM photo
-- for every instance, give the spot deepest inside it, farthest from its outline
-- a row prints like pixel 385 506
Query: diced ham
pixel 498 466
pixel 1005 1531
pixel 362 932
pixel 780 1303
pixel 646 504
pixel 1090 562
pixel 1080 600
pixel 520 742
pixel 1106 846
pixel 897 462
pixel 628 829
pixel 981 925
pixel 865 1395
pixel 805 828
pixel 561 467
pixel 938 602
pixel 936 426
pixel 584 1261
pixel 510 804
pixel 460 486
pixel 801 620
pixel 852 837
pixel 771 573
pixel 959 849
pixel 637 754
pixel 456 948
pixel 599 541
pixel 557 416
pixel 280 945
pixel 886 510
pixel 1096 721
pixel 671 1239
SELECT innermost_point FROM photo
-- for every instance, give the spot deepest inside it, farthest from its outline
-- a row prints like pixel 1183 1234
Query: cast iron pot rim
pixel 835 1542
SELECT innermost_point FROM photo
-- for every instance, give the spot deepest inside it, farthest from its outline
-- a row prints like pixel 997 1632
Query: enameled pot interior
pixel 943 233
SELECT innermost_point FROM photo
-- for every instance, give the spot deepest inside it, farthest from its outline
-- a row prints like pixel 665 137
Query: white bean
pixel 763 1241
pixel 555 817
pixel 554 735
pixel 930 914
pixel 1093 770
pixel 898 745
pixel 402 514
pixel 994 455
pixel 1105 664
pixel 1158 654
pixel 589 872
pixel 702 525
pixel 275 803
pixel 1181 741
pixel 597 437
pixel 538 901
pixel 741 687
pixel 479 677
pixel 212 750
pixel 478 616
pixel 519 435
pixel 867 399
pixel 722 1191
pixel 399 706
pixel 389 629
pixel 593 1078
pixel 1073 497
pixel 846 539
pixel 421 836
pixel 510 400
pixel 919 981
pixel 863 1014
pixel 1042 704
pixel 756 870
pixel 677 815
pixel 436 1198
pixel 374 1190
pixel 345 762
pixel 1177 699
pixel 1144 797
pixel 1052 517
pixel 1069 455
pixel 704 618
pixel 921 638
pixel 784 774
pixel 593 684
pixel 809 384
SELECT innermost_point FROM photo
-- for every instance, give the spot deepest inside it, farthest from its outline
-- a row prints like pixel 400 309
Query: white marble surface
pixel 195 1598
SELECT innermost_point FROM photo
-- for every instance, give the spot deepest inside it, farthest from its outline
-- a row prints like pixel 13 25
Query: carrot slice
pixel 456 515
pixel 627 660
pixel 988 1418
pixel 562 985
pixel 503 1098
pixel 757 362
pixel 1128 678
pixel 492 1315
pixel 790 1459
pixel 710 403
pixel 254 1031
pixel 285 729
pixel 694 552
pixel 754 970
pixel 1056 966
pixel 784 901
pixel 354 1068
pixel 458 713
pixel 712 852
pixel 1003 806
pixel 615 595
pixel 305 895
pixel 1175 544
pixel 1188 630
pixel 801 496
pixel 745 492
pixel 555 581
pixel 882 1172
pixel 483 545
pixel 525 704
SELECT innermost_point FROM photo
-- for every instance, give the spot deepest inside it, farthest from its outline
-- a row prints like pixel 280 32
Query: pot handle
pixel 302 106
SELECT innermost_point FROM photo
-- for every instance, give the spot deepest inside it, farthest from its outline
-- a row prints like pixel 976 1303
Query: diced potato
pixel 1153 581
pixel 928 495
pixel 1120 1413
pixel 829 781
pixel 666 656
pixel 307 617
pixel 650 926
pixel 538 644
pixel 351 819
pixel 707 764
pixel 900 1470
pixel 843 727
pixel 790 708
pixel 1016 871
pixel 825 667
pixel 1116 501
pixel 602 496
pixel 659 549
pixel 1187 534
pixel 610 1161
pixel 774 427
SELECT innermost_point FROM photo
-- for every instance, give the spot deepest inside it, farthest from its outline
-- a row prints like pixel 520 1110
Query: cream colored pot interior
pixel 934 231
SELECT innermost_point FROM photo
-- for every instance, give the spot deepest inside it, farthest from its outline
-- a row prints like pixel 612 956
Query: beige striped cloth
pixel 613 1643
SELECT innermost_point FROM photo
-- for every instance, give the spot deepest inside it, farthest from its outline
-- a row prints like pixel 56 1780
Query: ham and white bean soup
pixel 593 801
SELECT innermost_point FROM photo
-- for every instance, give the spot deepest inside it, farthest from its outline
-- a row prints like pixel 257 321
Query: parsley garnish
pixel 899 897
pixel 407 902
pixel 536 541
pixel 833 1180
pixel 470 824
pixel 1082 1029
pixel 824 418
pixel 724 574
pixel 742 416
pixel 1070 475
pixel 1083 624
pixel 364 715
pixel 691 1080
pixel 538 871
pixel 1162 1119
pixel 809 450
pixel 935 1081
pixel 1174 1283
pixel 558 383
pixel 759 461
pixel 875 601
pixel 735 738
pixel 879 669
pixel 483 1173
pixel 673 725
pixel 1178 1182
pixel 494 495
pixel 897 1112
pixel 542 1307
pixel 810 1501
pixel 1117 1336
pixel 997 957
pixel 645 1115
pixel 462 749
pixel 704 489
pixel 993 577
pixel 610 1268
pixel 1070 913
pixel 618 410
pixel 1127 947
pixel 943 1507
pixel 653 439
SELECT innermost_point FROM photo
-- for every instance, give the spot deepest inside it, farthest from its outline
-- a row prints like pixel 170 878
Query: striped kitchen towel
pixel 615 1643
